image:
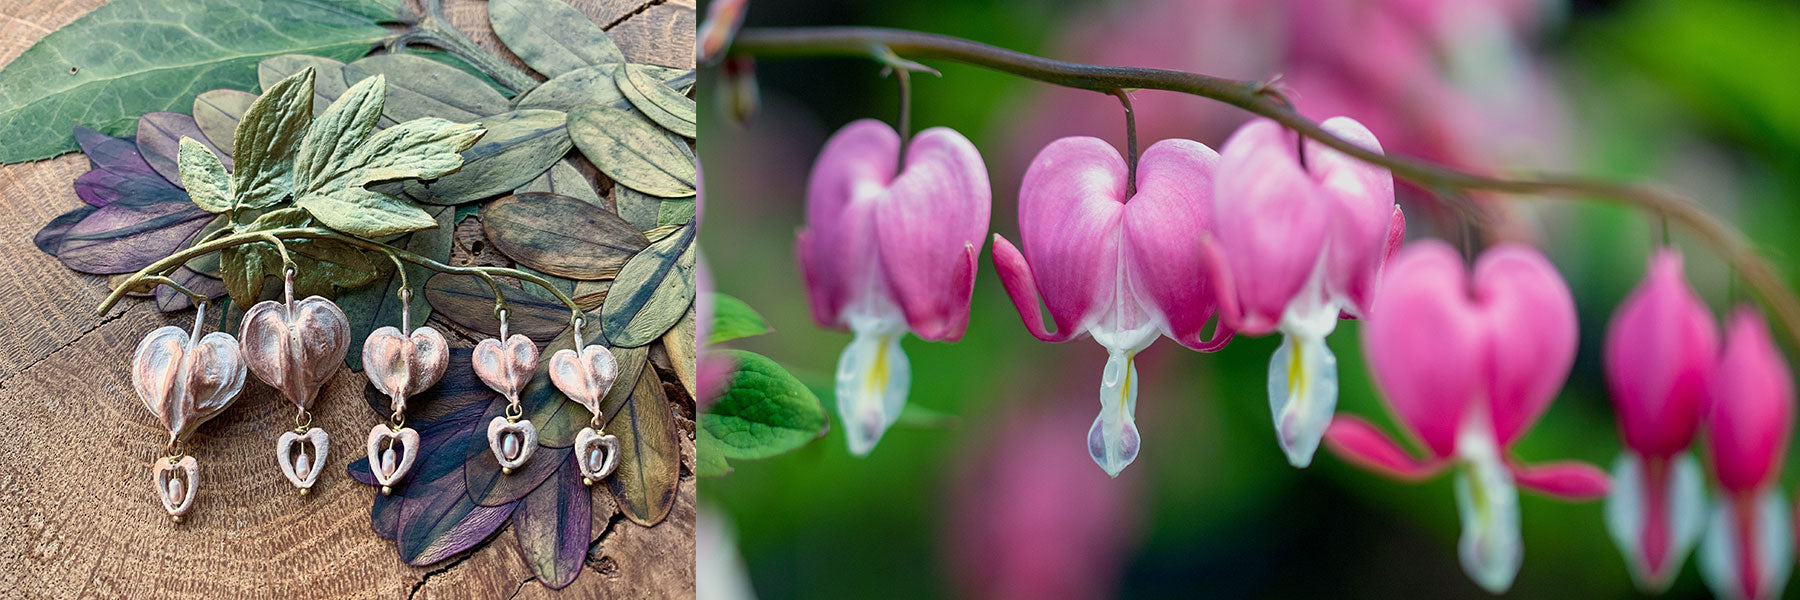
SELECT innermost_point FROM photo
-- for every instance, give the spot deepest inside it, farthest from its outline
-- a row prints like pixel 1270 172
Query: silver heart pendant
pixel 389 465
pixel 584 377
pixel 296 350
pixel 175 484
pixel 184 381
pixel 302 469
pixel 512 442
pixel 403 365
pixel 597 455
pixel 506 367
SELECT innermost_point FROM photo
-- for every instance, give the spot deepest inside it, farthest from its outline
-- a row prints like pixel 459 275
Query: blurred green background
pixel 1701 96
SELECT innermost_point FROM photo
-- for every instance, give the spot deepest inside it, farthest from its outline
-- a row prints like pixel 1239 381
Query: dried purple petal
pixel 50 237
pixel 552 525
pixel 124 237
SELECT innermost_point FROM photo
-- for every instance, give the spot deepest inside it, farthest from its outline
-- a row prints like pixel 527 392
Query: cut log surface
pixel 78 517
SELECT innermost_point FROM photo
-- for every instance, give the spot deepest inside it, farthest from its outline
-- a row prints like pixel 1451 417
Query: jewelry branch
pixel 149 277
pixel 1253 97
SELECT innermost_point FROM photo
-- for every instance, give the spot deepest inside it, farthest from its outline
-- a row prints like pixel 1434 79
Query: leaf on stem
pixel 204 176
pixel 765 412
pixel 421 148
pixel 733 319
pixel 267 138
pixel 159 140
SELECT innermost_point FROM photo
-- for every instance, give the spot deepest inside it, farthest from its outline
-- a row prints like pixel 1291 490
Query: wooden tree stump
pixel 78 517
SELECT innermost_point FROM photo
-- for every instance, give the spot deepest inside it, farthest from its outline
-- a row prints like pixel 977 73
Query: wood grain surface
pixel 78 517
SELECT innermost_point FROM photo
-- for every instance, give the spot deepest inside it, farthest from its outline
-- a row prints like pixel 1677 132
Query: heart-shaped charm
pixel 584 377
pixel 403 365
pixel 184 383
pixel 506 367
pixel 296 350
pixel 597 455
pixel 301 468
pixel 511 441
pixel 175 484
pixel 388 464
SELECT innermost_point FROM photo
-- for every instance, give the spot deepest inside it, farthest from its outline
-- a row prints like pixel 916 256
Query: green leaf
pixel 419 87
pixel 664 105
pixel 765 412
pixel 563 178
pixel 217 113
pixel 649 453
pixel 267 138
pixel 675 211
pixel 732 319
pixel 327 86
pixel 652 291
pixel 637 208
pixel 560 235
pixel 595 85
pixel 340 130
pixel 421 148
pixel 551 36
pixel 632 151
pixel 131 57
pixel 374 306
pixel 159 142
pixel 519 146
pixel 708 462
pixel 204 176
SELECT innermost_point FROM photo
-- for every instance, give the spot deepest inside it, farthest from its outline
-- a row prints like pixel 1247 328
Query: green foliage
pixel 733 319
pixel 633 151
pixel 551 36
pixel 204 177
pixel 765 412
pixel 653 291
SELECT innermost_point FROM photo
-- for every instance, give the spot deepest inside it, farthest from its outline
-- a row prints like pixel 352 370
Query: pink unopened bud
pixel 1121 268
pixel 890 248
pixel 1748 550
pixel 723 18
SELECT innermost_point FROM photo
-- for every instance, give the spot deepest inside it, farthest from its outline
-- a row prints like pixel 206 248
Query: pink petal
pixel 1752 406
pixel 1530 317
pixel 1660 347
pixel 1569 480
pixel 1164 223
pixel 930 228
pixel 837 247
pixel 1362 198
pixel 1271 221
pixel 1022 287
pixel 1069 213
pixel 1361 443
pixel 1425 343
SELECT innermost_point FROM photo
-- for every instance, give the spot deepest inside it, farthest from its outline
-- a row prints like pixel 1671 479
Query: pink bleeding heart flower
pixel 1660 348
pixel 1467 364
pixel 1748 549
pixel 890 248
pixel 1304 230
pixel 1121 267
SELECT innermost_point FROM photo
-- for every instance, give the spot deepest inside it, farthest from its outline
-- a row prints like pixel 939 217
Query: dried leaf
pixel 552 526
pixel 50 237
pixel 652 292
pixel 674 212
pixel 551 36
pixel 683 356
pixel 375 306
pixel 563 178
pixel 169 300
pixel 119 171
pixel 632 151
pixel 637 208
pixel 443 522
pixel 662 104
pixel 131 57
pixel 489 486
pixel 519 146
pixel 267 138
pixel 595 85
pixel 561 235
pixel 419 87
pixel 125 236
pixel 327 86
pixel 204 176
pixel 589 295
pixel 469 302
pixel 217 114
pixel 159 138
pixel 649 453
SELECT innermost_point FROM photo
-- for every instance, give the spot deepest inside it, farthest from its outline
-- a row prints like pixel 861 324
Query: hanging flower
pixel 884 253
pixel 1123 268
pixel 1305 230
pixel 1748 550
pixel 1467 364
pixel 1660 347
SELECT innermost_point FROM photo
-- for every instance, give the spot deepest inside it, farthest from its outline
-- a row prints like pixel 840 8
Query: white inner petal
pixel 872 377
pixel 1719 561
pixel 1628 516
pixel 1303 372
pixel 1490 548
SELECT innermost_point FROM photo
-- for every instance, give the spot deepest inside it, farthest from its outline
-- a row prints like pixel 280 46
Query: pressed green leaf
pixel 550 36
pixel 683 352
pixel 632 151
pixel 421 148
pixel 649 453
pixel 732 319
pixel 664 105
pixel 460 65
pixel 131 57
pixel 374 306
pixel 563 178
pixel 595 85
pixel 327 86
pixel 675 211
pixel 469 302
pixel 764 412
pixel 217 113
pixel 652 292
pixel 204 176
pixel 419 87
pixel 561 235
pixel 267 138
pixel 519 146
pixel 340 130
pixel 637 208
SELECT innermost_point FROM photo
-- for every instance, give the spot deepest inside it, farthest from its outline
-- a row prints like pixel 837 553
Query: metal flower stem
pixel 1261 98
pixel 151 276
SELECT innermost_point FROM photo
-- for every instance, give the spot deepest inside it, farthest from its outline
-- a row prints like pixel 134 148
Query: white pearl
pixel 302 466
pixel 175 489
pixel 388 462
pixel 509 446
pixel 594 458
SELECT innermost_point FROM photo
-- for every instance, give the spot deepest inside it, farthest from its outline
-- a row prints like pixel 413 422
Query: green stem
pixel 149 274
pixel 1254 97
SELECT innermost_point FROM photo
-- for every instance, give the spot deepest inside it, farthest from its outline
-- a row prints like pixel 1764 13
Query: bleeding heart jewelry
pixel 507 368
pixel 185 379
pixel 586 377
pixel 400 364
pixel 294 347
